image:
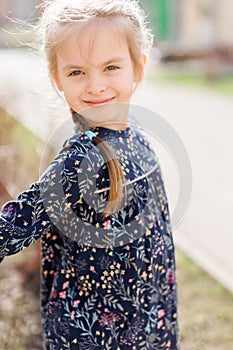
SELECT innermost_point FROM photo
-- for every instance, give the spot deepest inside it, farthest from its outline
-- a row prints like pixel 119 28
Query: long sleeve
pixel 22 222
pixel 48 202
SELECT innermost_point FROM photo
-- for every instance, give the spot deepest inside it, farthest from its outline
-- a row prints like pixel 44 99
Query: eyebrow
pixel 112 60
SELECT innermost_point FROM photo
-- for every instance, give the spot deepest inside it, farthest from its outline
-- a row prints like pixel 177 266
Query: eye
pixel 75 73
pixel 112 67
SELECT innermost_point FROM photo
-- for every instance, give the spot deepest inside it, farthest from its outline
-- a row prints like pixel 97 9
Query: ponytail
pixel 116 176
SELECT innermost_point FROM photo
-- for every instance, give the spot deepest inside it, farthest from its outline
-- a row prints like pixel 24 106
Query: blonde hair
pixel 60 18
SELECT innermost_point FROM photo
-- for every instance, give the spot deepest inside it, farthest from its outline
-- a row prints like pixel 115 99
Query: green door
pixel 158 11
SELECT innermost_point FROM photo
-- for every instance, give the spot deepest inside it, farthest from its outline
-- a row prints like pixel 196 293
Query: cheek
pixel 127 87
pixel 125 83
pixel 72 92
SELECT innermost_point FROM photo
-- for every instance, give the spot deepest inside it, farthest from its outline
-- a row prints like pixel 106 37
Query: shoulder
pixel 145 142
pixel 76 152
pixel 77 144
pixel 76 147
pixel 72 165
pixel 143 136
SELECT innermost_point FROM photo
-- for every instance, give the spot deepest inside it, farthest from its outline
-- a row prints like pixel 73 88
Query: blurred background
pixel 189 82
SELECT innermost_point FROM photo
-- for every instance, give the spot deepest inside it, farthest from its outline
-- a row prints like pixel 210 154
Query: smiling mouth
pixel 99 102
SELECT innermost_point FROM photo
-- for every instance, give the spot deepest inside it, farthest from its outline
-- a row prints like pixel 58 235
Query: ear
pixel 142 63
pixel 57 81
pixel 144 60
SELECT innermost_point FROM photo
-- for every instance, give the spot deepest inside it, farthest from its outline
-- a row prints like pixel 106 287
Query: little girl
pixel 108 267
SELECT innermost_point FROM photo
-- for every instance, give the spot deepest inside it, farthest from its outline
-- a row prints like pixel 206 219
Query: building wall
pixel 206 23
pixel 195 23
pixel 225 22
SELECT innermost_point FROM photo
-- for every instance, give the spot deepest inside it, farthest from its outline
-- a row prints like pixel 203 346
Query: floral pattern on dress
pixel 106 283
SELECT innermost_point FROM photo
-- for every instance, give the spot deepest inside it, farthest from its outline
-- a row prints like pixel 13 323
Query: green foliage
pixel 222 83
pixel 20 168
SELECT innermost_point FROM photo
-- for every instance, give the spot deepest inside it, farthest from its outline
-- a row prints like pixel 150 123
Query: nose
pixel 96 84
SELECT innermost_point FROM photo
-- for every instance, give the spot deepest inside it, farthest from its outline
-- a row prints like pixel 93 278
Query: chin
pixel 112 113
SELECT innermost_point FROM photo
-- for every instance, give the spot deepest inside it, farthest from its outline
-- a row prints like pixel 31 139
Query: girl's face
pixel 96 74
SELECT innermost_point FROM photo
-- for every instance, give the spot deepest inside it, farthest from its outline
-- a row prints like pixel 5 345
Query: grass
pixel 205 309
pixel 221 83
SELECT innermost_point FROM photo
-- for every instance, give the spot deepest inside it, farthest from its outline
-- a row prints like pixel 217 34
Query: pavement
pixel 204 122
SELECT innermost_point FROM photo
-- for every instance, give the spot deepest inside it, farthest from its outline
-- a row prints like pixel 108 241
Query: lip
pixel 98 103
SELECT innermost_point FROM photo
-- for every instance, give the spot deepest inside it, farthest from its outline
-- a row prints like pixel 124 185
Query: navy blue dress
pixel 106 283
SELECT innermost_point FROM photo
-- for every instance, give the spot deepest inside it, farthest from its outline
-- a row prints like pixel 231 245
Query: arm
pixel 49 202
pixel 22 222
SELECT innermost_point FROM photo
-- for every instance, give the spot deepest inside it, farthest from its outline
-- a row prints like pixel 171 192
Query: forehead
pixel 94 43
